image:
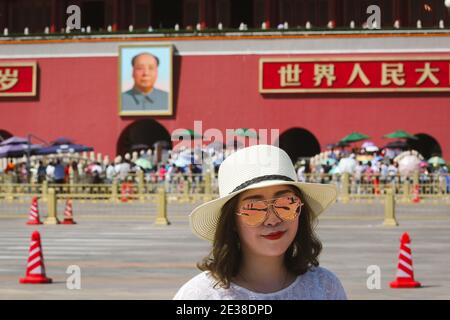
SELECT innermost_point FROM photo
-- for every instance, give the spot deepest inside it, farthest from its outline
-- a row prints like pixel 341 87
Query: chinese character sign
pixel 18 79
pixel 389 74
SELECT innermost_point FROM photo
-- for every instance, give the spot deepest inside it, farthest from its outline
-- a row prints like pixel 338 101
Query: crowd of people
pixel 168 165
pixel 177 166
pixel 371 167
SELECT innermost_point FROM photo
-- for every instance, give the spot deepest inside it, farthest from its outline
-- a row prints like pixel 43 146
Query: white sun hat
pixel 255 167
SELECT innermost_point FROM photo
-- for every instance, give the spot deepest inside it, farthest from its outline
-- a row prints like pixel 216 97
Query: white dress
pixel 316 284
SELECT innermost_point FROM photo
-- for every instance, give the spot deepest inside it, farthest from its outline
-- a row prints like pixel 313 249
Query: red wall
pixel 78 99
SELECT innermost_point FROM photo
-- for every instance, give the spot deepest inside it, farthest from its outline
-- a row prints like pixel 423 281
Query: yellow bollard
pixel 9 189
pixel 442 186
pixel 344 187
pixel 161 218
pixel 406 190
pixel 114 191
pixel 71 179
pixel 44 190
pixel 389 209
pixel 186 190
pixel 140 179
pixel 416 177
pixel 207 181
pixel 52 217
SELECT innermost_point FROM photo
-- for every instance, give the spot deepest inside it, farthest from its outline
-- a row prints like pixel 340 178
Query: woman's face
pixel 273 236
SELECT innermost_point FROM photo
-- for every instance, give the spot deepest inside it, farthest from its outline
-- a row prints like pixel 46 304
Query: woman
pixel 264 246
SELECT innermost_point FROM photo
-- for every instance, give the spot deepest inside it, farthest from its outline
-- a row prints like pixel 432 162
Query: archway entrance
pixel 426 145
pixel 299 143
pixel 142 133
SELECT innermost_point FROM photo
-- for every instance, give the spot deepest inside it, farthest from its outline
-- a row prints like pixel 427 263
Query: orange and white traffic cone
pixel 405 273
pixel 68 213
pixel 35 268
pixel 376 185
pixel 126 191
pixel 416 192
pixel 34 212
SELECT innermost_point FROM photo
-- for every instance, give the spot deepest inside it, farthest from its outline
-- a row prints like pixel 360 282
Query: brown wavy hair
pixel 224 260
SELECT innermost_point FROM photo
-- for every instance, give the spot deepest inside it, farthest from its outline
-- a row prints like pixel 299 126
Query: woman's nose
pixel 272 219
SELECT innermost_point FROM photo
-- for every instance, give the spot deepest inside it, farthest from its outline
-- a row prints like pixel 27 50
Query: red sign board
pixel 18 79
pixel 387 74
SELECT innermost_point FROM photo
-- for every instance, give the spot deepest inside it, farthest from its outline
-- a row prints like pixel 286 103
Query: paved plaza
pixel 124 255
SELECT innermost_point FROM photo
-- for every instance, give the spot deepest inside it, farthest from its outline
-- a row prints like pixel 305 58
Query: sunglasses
pixel 254 213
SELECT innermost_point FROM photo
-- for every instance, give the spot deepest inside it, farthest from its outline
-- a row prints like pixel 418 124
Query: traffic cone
pixel 34 212
pixel 35 268
pixel 416 198
pixel 68 213
pixel 376 185
pixel 126 191
pixel 405 273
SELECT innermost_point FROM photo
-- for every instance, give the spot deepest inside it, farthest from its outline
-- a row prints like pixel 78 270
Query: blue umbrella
pixel 64 148
pixel 183 160
pixel 63 145
pixel 62 140
pixel 17 147
pixel 17 150
pixel 14 140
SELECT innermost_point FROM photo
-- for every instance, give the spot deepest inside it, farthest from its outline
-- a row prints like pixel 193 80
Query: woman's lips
pixel 274 235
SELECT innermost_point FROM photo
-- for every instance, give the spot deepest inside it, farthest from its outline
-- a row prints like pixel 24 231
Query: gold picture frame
pixel 131 101
pixel 352 59
pixel 32 93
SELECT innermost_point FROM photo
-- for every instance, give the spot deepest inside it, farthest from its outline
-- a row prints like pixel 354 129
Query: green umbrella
pixel 436 161
pixel 186 133
pixel 334 170
pixel 354 136
pixel 143 163
pixel 342 144
pixel 328 161
pixel 246 132
pixel 400 134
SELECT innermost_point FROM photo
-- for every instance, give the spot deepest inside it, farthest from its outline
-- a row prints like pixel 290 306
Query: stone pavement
pixel 123 255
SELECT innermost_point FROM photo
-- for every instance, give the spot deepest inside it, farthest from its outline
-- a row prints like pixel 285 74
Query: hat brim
pixel 204 218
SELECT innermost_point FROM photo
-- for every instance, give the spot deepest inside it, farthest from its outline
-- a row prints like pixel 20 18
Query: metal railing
pixel 197 187
pixel 180 188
